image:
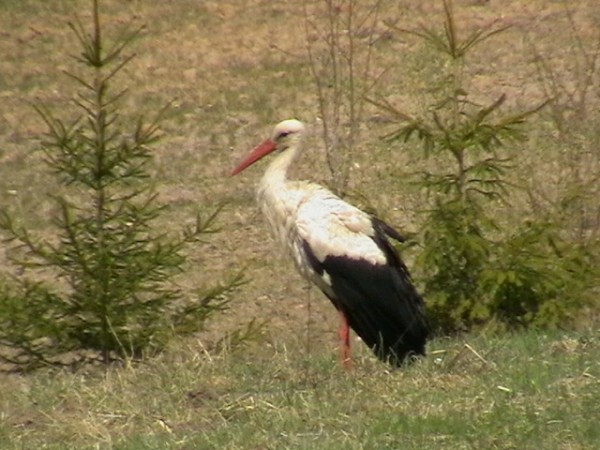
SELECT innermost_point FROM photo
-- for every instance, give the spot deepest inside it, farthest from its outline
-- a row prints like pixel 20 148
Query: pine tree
pixel 114 296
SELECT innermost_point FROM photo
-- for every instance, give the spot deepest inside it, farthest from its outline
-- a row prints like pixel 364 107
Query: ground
pixel 233 69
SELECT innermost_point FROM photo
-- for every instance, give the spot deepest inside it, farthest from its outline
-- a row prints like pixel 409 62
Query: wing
pixel 363 275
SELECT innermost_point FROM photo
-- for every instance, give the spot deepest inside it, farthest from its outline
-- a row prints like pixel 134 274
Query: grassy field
pixel 234 69
pixel 527 391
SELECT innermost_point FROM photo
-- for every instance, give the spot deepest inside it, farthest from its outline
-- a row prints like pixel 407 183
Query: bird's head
pixel 286 134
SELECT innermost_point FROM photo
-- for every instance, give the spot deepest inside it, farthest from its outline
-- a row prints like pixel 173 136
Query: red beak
pixel 262 150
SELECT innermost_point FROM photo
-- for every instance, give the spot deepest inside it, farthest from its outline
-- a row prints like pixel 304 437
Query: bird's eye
pixel 282 134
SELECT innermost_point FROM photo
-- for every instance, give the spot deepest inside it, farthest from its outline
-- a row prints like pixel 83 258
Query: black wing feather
pixel 382 306
pixel 380 301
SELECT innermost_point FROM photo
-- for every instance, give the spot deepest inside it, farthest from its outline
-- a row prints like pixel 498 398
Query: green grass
pixel 524 391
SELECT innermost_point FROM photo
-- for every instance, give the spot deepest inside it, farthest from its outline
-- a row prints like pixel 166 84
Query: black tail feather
pixel 382 307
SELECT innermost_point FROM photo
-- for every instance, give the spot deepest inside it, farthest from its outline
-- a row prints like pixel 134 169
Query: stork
pixel 344 251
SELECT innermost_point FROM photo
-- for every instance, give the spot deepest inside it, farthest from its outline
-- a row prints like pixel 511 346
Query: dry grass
pixel 235 68
pixel 527 391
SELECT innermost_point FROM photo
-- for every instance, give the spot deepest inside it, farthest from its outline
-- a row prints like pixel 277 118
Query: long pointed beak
pixel 262 150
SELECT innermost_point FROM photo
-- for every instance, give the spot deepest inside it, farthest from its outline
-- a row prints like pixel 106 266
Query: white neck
pixel 277 198
pixel 276 174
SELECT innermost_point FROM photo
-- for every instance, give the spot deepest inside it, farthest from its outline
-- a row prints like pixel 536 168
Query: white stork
pixel 344 251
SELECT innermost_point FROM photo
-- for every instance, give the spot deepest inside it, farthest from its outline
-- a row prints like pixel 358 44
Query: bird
pixel 344 251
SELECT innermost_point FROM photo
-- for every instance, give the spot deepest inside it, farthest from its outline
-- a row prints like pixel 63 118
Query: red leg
pixel 345 338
